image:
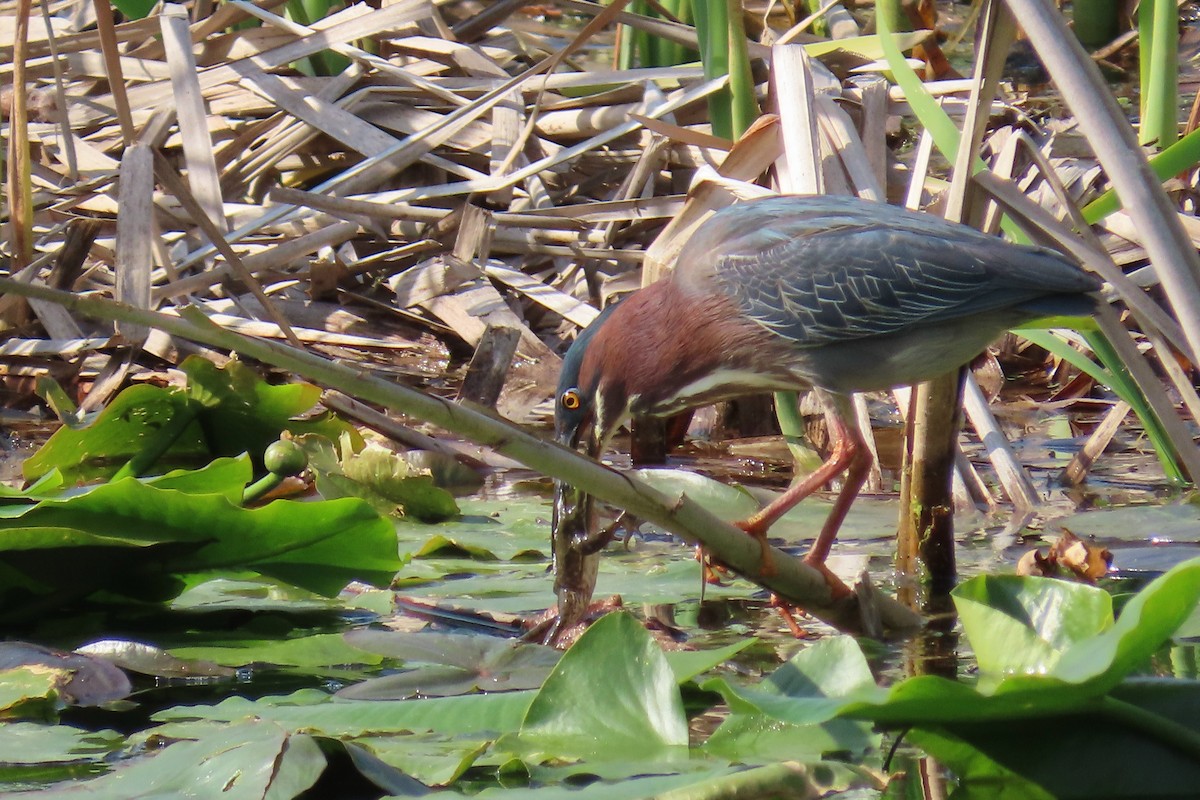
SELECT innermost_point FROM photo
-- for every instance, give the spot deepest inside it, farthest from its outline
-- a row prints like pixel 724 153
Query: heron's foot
pixel 755 528
pixel 837 586
pixel 711 571
pixel 624 521
pixel 547 627
pixel 788 612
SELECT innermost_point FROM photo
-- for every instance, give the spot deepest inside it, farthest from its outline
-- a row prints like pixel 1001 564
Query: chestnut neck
pixel 661 339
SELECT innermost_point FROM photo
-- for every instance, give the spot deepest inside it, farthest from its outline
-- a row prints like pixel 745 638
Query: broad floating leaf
pixel 84 679
pixel 463 664
pixel 377 475
pixel 321 714
pixel 613 695
pixel 135 539
pixel 320 650
pixel 249 761
pixel 1022 625
pixel 223 412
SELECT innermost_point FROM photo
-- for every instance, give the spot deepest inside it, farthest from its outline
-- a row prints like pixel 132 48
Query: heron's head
pixel 580 417
pixel 586 408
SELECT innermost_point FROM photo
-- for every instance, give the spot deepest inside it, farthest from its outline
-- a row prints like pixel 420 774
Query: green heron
pixel 832 294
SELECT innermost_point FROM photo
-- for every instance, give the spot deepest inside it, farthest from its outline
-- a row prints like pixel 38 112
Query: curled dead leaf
pixel 1070 557
pixel 1035 564
pixel 1088 562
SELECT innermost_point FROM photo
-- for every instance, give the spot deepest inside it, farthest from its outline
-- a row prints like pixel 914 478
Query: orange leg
pixel 850 455
pixel 785 610
pixel 710 571
pixel 856 475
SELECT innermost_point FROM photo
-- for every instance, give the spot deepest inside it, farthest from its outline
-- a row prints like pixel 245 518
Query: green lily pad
pixel 758 739
pixel 1023 625
pixel 223 412
pixel 83 679
pixel 632 706
pixel 1021 721
pixel 381 477
pixel 149 660
pixel 136 539
pixel 458 664
pixel 320 650
pixel 250 593
pixel 243 761
pixel 490 530
pixel 126 426
pixel 434 760
pixel 34 743
pixel 327 716
pixel 31 691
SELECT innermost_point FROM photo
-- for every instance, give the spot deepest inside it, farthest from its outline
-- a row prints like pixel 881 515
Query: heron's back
pixel 826 269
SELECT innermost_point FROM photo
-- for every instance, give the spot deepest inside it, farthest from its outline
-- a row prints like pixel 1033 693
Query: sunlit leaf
pixel 381 477
pixel 1024 624
pixel 980 776
pixel 320 650
pixel 149 660
pixel 472 714
pixel 223 412
pixel 85 679
pixel 488 529
pixel 464 664
pixel 245 414
pixel 34 743
pixel 612 695
pixel 433 760
pixel 779 780
pixel 687 664
pixel 246 760
pixel 250 593
pixel 31 691
pixel 811 688
pixel 758 739
pixel 153 533
pixel 1082 756
pixel 1146 623
pixel 126 425
pixel 223 476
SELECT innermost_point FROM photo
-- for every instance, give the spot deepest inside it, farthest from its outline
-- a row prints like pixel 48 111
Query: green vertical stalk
pixel 743 103
pixel 1158 30
pixel 820 26
pixel 673 53
pixel 723 51
pixel 712 29
pixel 326 62
pixel 20 182
pixel 627 42
pixel 643 44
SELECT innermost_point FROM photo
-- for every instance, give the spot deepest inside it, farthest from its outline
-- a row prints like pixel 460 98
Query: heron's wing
pixel 855 278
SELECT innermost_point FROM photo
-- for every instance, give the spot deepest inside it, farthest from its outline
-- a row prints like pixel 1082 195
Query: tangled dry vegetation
pixel 471 185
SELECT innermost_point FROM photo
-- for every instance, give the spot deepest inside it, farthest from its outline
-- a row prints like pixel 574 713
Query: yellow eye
pixel 571 400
